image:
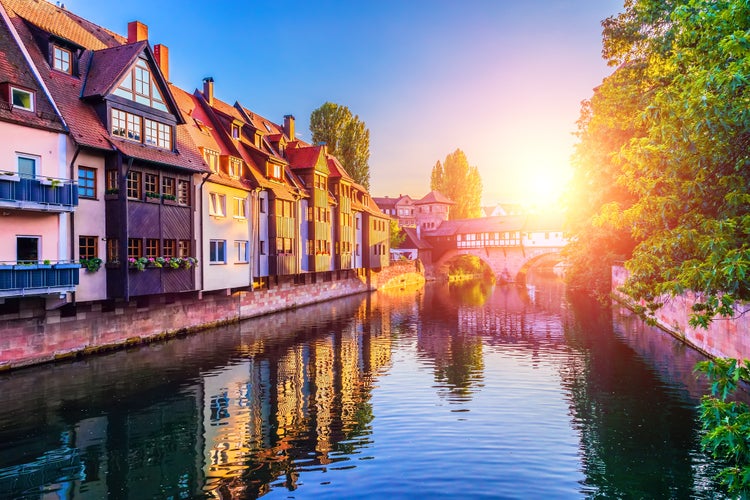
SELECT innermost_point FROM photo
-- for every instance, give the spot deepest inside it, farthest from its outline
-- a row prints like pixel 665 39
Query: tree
pixel 346 137
pixel 459 182
pixel 398 235
pixel 683 159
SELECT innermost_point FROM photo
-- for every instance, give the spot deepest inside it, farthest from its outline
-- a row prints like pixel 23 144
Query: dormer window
pixel 139 86
pixel 62 59
pixel 212 158
pixel 22 99
pixel 235 131
pixel 234 166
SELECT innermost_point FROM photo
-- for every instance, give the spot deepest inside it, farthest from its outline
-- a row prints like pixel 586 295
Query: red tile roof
pixel 107 66
pixel 86 129
pixel 15 70
pixel 434 197
pixel 304 157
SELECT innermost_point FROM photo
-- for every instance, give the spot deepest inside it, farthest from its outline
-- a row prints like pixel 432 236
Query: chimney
pixel 289 126
pixel 161 52
pixel 208 90
pixel 137 32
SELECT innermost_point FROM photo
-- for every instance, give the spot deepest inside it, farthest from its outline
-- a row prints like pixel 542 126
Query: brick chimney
pixel 137 31
pixel 289 126
pixel 208 90
pixel 161 52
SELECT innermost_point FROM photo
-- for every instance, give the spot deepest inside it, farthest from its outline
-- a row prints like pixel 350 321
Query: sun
pixel 543 186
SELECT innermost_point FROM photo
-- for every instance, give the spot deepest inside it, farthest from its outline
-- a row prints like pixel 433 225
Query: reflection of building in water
pixel 289 406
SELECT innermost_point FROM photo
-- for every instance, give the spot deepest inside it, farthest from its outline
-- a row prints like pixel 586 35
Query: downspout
pixel 200 230
pixel 122 186
pixel 254 233
pixel 72 216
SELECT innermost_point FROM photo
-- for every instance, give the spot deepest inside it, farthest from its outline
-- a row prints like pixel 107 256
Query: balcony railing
pixel 40 193
pixel 24 279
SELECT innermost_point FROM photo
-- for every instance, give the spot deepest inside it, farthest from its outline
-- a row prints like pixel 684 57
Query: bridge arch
pixel 552 256
pixel 508 264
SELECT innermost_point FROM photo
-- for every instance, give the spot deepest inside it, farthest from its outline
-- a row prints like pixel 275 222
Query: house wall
pixel 26 223
pixel 233 273
pixel 544 239
pixel 50 147
pixel 89 220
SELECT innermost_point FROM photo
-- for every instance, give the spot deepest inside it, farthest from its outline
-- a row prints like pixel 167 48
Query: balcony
pixel 40 193
pixel 23 280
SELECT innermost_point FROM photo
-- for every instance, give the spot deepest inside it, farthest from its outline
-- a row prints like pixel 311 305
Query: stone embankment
pixel 725 337
pixel 34 335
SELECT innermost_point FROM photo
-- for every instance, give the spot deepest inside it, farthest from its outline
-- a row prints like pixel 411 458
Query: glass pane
pixel 27 167
pixel 27 249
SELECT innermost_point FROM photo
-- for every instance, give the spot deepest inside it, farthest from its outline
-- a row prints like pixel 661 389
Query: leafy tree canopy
pixel 346 137
pixel 665 152
pixel 459 182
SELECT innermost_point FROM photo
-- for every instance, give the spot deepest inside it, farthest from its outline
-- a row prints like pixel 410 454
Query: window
pixel 27 248
pixel 27 166
pixel 217 204
pixel 262 247
pixel 235 131
pixel 126 125
pixel 113 250
pixel 61 59
pixel 168 248
pixel 183 192
pixel 239 208
pixel 135 248
pixel 235 166
pixel 275 171
pixel 217 251
pixel 262 205
pixel 151 184
pixel 86 182
pixel 241 251
pixel 22 99
pixel 183 248
pixel 152 247
pixel 112 184
pixel 139 86
pixel 212 158
pixel 87 247
pixel 157 134
pixel 167 188
pixel 134 185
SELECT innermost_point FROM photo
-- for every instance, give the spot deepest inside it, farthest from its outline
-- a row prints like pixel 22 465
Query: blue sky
pixel 502 80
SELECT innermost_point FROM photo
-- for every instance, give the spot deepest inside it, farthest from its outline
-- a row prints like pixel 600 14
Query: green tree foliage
pixel 346 137
pixel 398 235
pixel 727 423
pixel 685 165
pixel 459 182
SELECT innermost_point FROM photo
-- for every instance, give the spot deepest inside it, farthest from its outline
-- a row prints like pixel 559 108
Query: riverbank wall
pixel 33 335
pixel 725 337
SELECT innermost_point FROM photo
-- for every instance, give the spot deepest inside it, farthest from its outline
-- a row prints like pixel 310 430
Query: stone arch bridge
pixel 509 264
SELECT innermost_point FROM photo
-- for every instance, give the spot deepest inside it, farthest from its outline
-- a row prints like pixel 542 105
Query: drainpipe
pixel 71 216
pixel 122 186
pixel 253 228
pixel 200 230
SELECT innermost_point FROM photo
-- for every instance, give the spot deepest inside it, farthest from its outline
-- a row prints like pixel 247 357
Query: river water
pixel 461 391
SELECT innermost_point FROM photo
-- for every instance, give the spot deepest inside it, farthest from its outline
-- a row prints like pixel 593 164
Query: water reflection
pixel 467 390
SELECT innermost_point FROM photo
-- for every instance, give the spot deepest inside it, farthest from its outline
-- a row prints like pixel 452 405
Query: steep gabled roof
pixel 336 170
pixel 15 70
pixel 107 66
pixel 434 197
pixel 385 202
pixel 304 157
pixel 64 24
pixel 413 241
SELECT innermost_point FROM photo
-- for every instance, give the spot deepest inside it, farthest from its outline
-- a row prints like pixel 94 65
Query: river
pixel 460 391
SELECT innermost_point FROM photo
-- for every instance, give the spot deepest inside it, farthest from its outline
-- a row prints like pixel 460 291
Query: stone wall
pixel 724 337
pixel 33 335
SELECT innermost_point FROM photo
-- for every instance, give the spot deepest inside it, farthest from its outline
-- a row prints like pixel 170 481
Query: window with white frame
pixel 217 204
pixel 61 59
pixel 23 99
pixel 217 251
pixel 241 251
pixel 239 208
pixel 28 166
